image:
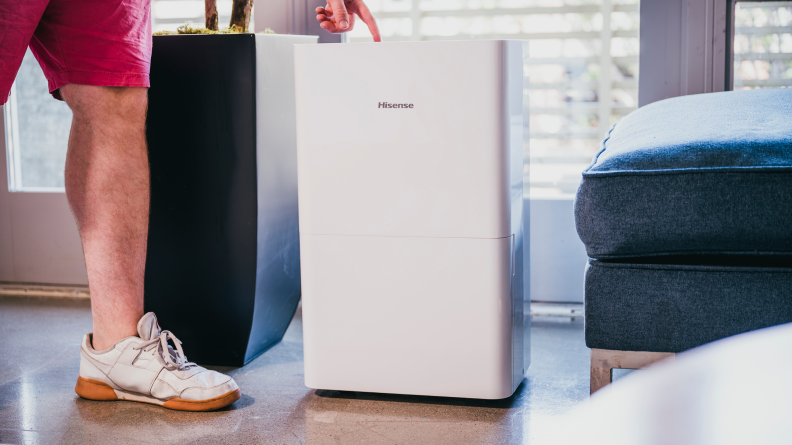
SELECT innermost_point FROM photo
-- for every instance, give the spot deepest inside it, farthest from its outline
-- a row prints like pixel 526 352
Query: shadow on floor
pixel 506 403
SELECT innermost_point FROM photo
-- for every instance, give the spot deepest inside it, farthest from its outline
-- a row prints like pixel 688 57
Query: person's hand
pixel 339 16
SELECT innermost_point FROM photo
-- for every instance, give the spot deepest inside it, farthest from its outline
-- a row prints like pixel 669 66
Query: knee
pixel 97 103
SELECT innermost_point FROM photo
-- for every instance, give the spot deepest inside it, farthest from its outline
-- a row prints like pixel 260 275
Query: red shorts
pixel 85 42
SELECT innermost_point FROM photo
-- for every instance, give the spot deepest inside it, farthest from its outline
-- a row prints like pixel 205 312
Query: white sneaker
pixel 147 369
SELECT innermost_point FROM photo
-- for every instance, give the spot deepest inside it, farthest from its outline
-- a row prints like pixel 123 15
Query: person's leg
pixel 108 44
pixel 107 185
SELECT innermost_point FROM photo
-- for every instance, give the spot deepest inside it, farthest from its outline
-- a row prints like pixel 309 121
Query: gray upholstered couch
pixel 686 215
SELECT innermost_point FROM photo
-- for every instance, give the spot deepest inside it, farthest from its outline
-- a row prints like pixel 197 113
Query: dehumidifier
pixel 410 184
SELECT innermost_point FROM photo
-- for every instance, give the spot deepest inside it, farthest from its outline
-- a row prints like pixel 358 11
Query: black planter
pixel 223 267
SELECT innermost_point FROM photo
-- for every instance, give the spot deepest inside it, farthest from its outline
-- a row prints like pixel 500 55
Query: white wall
pixel 558 257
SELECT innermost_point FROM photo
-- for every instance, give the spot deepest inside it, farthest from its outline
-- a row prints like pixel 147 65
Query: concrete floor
pixel 39 362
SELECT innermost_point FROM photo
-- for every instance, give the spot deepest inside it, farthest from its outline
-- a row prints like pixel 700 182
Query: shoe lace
pixel 171 359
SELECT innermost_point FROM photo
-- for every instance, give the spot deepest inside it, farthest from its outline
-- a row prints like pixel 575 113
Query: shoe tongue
pixel 148 327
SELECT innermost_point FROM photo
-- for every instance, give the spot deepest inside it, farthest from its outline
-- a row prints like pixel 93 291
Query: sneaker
pixel 147 369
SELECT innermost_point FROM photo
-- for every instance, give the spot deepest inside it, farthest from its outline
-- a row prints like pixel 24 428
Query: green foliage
pixel 188 28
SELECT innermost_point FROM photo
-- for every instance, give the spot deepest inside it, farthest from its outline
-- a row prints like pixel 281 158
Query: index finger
pixel 340 15
pixel 365 15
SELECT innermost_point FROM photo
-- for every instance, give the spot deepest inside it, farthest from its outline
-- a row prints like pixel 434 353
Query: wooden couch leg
pixel 604 360
pixel 599 378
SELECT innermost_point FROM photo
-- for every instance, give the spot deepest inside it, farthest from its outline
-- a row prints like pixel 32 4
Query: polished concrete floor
pixel 39 362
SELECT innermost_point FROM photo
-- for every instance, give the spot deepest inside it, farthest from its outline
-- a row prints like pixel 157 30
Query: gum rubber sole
pixel 94 390
pixel 97 390
pixel 204 405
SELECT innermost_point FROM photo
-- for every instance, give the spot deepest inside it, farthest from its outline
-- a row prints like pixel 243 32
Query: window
pixel 573 100
pixel 37 132
pixel 167 15
pixel 762 45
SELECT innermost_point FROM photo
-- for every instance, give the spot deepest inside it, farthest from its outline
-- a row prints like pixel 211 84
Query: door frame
pixel 684 48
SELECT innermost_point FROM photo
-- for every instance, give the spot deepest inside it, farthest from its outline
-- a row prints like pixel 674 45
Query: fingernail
pixel 344 24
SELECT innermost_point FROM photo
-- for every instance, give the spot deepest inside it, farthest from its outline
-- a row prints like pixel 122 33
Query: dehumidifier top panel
pixel 407 138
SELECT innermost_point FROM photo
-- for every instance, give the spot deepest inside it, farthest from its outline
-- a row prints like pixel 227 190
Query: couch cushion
pixel 708 173
pixel 674 307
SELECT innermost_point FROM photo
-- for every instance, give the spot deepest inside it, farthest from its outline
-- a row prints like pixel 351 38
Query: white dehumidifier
pixel 410 167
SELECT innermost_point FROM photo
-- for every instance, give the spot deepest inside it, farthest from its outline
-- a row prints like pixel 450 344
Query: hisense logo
pixel 389 105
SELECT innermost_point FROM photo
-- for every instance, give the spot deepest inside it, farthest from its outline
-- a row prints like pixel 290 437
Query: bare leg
pixel 107 185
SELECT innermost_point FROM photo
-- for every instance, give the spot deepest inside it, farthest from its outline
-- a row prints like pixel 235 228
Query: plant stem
pixel 240 13
pixel 211 14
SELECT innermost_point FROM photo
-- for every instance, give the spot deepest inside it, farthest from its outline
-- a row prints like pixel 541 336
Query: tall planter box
pixel 223 267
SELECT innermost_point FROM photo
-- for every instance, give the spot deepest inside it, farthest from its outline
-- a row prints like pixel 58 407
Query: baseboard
pixel 573 310
pixel 43 290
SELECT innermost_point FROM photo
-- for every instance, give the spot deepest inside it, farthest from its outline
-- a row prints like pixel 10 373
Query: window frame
pixel 13 161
